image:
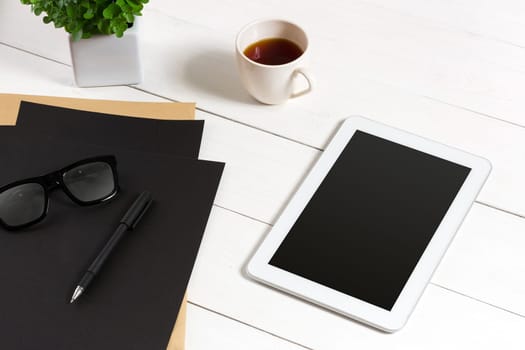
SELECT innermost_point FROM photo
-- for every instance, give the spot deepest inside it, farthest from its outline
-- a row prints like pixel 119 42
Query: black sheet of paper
pixel 133 302
pixel 179 137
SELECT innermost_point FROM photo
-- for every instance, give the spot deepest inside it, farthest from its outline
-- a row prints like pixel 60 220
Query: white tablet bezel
pixel 259 269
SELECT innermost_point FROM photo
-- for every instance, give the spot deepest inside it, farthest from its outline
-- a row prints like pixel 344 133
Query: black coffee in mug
pixel 273 51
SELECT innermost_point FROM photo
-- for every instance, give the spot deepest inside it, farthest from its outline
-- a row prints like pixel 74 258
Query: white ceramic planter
pixel 104 60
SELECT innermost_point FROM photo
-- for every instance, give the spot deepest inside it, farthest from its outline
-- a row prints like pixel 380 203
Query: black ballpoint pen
pixel 128 222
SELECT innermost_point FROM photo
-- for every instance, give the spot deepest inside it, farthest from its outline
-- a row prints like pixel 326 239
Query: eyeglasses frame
pixel 55 180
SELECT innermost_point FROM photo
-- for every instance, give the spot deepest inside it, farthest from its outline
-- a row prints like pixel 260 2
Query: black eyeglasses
pixel 86 182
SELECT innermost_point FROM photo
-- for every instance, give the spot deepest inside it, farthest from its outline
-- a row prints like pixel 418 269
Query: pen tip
pixel 78 291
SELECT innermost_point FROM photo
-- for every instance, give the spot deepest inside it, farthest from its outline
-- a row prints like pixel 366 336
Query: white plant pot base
pixel 105 60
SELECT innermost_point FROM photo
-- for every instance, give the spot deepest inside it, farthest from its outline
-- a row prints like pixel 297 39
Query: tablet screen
pixel 365 228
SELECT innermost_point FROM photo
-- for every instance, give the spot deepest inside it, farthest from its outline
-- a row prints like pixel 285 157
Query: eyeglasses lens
pixel 90 182
pixel 22 204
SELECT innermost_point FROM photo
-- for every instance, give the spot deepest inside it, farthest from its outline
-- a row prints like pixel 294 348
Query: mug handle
pixel 308 76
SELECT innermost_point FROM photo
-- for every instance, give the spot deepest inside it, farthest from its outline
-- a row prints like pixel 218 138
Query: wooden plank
pixel 26 31
pixel 209 76
pixel 442 319
pixel 207 330
pixel 370 41
pixel 25 73
pixel 486 261
pixel 499 20
pixel 262 171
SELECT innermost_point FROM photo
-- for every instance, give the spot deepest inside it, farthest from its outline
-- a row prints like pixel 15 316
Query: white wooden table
pixel 453 71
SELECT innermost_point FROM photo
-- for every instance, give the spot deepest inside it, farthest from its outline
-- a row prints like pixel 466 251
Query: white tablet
pixel 368 226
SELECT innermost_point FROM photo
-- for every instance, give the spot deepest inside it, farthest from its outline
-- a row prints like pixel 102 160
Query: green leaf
pixel 124 6
pixel 129 17
pixel 70 11
pixel 89 14
pixel 83 18
pixel 136 5
pixel 111 11
pixel 103 26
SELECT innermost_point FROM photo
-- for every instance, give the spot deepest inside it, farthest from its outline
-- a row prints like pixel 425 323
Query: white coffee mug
pixel 273 84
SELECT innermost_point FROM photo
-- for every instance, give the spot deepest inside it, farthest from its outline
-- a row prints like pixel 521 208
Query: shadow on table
pixel 215 73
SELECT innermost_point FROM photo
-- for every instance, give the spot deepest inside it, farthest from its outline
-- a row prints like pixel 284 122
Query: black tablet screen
pixel 367 225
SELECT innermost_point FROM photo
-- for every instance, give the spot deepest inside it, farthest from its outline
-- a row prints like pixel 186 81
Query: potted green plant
pixel 103 37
